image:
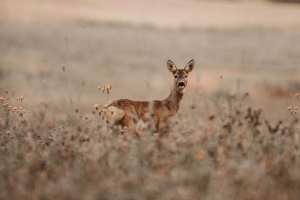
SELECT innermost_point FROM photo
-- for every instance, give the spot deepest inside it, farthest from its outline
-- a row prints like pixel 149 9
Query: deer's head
pixel 180 75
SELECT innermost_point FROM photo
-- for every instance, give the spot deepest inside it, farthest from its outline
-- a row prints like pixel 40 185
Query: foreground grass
pixel 232 154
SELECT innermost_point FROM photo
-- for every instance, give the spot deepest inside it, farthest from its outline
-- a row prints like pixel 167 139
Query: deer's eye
pixel 185 76
pixel 175 76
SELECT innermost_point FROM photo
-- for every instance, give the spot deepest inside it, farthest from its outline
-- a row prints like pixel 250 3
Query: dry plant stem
pixel 17 114
pixel 80 92
pixel 6 112
pixel 107 97
pixel 73 113
pixel 68 90
pixel 222 97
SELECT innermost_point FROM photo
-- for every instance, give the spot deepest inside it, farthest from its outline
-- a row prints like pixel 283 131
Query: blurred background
pixel 253 45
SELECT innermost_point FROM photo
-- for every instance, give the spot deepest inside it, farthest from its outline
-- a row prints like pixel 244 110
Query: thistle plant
pixel 105 88
pixel 294 109
pixel 9 112
pixel 102 112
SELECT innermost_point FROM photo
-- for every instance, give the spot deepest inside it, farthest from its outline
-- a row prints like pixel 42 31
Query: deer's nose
pixel 181 84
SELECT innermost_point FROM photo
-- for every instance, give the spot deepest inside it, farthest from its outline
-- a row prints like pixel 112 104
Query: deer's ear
pixel 189 66
pixel 171 66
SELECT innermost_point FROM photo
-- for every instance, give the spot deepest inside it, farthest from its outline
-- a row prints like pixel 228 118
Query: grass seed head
pixel 108 88
pixel 104 113
pixel 96 106
pixel 211 116
pixel 20 98
pixel 232 95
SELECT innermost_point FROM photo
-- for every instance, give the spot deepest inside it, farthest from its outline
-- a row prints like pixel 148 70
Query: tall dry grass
pixel 228 152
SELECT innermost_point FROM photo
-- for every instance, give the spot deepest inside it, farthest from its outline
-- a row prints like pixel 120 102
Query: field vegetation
pixel 237 132
pixel 232 153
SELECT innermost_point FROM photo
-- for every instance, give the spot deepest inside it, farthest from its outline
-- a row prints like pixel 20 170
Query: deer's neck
pixel 174 99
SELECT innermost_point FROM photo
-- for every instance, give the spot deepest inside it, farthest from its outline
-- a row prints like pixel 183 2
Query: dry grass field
pixel 237 132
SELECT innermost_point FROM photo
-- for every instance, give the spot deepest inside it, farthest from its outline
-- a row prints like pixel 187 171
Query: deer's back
pixel 156 111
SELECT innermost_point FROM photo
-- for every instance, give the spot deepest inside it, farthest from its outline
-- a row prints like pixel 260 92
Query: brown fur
pixel 156 113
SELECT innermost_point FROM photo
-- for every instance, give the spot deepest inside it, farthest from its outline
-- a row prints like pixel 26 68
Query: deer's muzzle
pixel 181 85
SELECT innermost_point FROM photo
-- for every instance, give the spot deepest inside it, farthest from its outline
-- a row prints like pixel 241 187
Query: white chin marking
pixel 180 87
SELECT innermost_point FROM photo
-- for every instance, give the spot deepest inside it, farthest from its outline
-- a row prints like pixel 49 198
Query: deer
pixel 129 114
